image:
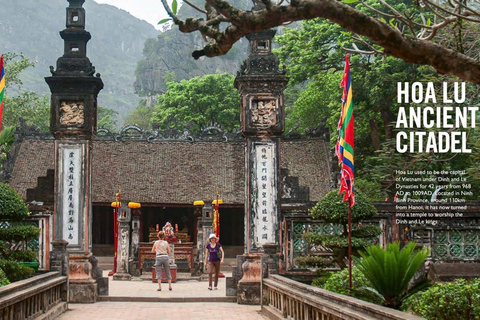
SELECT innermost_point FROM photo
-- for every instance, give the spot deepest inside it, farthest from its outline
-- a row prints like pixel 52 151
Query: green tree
pixel 314 59
pixel 390 271
pixel 34 109
pixel 6 141
pixel 199 102
pixel 427 32
pixel 141 116
pixel 332 209
pixel 13 239
pixel 106 119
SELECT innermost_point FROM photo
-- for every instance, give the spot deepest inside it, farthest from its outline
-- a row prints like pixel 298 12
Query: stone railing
pixel 283 298
pixel 40 297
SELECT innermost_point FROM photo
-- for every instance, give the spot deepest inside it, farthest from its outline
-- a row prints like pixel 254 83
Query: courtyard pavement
pixel 161 310
pixel 139 299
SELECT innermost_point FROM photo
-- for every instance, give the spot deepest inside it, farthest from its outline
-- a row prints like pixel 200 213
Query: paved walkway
pixel 181 289
pixel 165 304
pixel 161 311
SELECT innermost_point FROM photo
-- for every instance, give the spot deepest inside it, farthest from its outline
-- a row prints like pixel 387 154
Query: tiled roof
pixel 172 172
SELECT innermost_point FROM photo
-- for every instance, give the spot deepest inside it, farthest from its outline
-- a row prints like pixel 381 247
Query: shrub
pixel 24 256
pixel 3 279
pixel 15 271
pixel 338 282
pixel 12 206
pixel 14 237
pixel 332 209
pixel 390 271
pixel 458 300
pixel 19 233
pixel 312 261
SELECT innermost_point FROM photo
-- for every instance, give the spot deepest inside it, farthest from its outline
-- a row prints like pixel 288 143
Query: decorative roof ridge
pixel 136 133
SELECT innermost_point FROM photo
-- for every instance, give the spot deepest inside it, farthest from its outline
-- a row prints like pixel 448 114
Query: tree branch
pixel 195 7
pixel 395 44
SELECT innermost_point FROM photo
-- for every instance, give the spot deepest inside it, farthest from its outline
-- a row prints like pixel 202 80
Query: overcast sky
pixel 149 10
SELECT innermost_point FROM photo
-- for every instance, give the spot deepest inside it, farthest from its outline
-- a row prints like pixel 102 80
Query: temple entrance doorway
pixel 183 218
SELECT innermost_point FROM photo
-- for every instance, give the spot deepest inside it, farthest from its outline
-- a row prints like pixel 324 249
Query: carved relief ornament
pixel 264 112
pixel 71 113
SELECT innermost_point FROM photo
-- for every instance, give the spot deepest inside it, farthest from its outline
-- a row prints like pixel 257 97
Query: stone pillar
pixel 133 261
pixel 73 122
pixel 124 219
pixel 260 83
pixel 261 86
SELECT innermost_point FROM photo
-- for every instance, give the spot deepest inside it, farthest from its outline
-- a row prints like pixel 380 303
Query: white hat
pixel 212 235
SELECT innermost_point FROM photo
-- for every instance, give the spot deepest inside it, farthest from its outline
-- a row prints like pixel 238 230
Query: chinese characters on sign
pixel 71 175
pixel 265 218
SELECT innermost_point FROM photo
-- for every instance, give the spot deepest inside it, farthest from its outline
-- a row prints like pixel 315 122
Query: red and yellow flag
pixel 2 87
pixel 345 141
pixel 216 219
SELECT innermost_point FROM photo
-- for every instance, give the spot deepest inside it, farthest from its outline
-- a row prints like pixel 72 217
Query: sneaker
pixel 215 288
pixel 209 288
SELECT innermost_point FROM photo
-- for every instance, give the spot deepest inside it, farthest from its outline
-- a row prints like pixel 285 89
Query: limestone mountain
pixel 32 27
pixel 168 56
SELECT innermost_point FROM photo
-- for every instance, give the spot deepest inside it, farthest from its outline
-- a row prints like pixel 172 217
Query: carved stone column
pixel 73 122
pixel 261 85
pixel 124 218
pixel 135 243
pixel 205 228
pixel 262 118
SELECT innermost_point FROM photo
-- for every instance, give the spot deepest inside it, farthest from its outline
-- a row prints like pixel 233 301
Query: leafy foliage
pixel 391 270
pixel 12 239
pixel 368 231
pixel 3 278
pixel 314 59
pixel 106 118
pixel 332 208
pixel 19 233
pixel 459 300
pixel 312 261
pixel 15 271
pixel 198 103
pixel 23 256
pixel 12 206
pixel 338 282
pixel 28 105
pixel 6 141
pixel 334 241
pixel 141 116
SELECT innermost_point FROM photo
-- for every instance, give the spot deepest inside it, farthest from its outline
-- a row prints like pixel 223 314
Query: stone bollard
pixel 270 260
pixel 97 274
pixel 83 287
pixel 248 289
pixel 59 261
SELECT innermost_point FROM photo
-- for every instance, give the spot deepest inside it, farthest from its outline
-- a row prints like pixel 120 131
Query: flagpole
pixel 349 245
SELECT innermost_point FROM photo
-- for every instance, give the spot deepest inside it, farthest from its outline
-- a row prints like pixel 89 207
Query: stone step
pixel 172 299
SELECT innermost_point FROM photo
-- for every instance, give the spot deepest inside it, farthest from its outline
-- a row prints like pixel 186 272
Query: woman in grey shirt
pixel 162 250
